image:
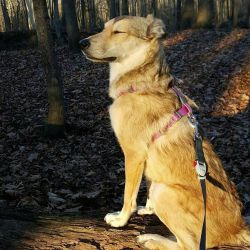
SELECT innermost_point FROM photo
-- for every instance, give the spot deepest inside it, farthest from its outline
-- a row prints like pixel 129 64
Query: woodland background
pixel 61 168
pixel 16 15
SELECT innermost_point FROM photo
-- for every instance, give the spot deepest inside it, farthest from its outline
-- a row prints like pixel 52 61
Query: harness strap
pixel 183 111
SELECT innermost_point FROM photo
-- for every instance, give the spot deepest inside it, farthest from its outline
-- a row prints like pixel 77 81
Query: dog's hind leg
pixel 181 222
pixel 148 209
pixel 157 242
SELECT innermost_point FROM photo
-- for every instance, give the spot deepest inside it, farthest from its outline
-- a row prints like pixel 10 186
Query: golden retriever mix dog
pixel 143 103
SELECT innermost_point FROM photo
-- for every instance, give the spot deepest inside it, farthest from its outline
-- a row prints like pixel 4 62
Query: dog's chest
pixel 120 116
pixel 128 118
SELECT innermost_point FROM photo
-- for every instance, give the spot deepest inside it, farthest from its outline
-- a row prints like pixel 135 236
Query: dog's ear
pixel 156 28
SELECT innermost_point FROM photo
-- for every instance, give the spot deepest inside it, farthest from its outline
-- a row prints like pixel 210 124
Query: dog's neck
pixel 146 69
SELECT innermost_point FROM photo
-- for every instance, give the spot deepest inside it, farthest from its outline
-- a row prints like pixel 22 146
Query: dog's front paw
pixel 116 219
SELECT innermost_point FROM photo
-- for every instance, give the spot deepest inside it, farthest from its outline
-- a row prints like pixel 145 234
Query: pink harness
pixel 183 111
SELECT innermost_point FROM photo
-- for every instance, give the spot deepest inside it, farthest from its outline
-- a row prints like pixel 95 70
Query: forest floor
pixel 47 185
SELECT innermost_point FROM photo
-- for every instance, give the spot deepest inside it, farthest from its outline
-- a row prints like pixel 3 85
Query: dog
pixel 143 103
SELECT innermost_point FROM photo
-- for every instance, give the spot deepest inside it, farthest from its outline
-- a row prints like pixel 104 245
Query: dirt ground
pixel 84 171
pixel 27 231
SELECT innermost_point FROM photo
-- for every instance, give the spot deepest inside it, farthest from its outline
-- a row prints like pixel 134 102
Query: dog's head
pixel 122 37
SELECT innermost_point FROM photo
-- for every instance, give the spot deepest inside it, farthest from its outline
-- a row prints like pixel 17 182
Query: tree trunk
pixel 55 122
pixel 112 9
pixel 248 15
pixel 153 7
pixel 178 15
pixel 50 10
pixel 26 18
pixel 56 21
pixel 6 16
pixel 235 12
pixel 32 23
pixel 133 7
pixel 124 8
pixel 142 8
pixel 83 15
pixel 92 15
pixel 243 14
pixel 71 23
pixel 205 17
pixel 187 14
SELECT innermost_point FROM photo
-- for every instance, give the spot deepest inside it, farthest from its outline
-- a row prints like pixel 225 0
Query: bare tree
pixel 56 20
pixel 55 121
pixel 112 9
pixel 153 7
pixel 141 8
pixel 188 14
pixel 133 7
pixel 92 15
pixel 71 23
pixel 178 14
pixel 25 15
pixel 124 7
pixel 235 12
pixel 6 16
pixel 83 14
pixel 248 17
pixel 205 16
pixel 30 12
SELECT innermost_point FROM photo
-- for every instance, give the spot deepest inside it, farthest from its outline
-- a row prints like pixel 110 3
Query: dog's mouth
pixel 94 59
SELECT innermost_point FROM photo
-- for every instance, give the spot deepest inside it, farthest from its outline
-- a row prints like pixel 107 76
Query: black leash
pixel 201 169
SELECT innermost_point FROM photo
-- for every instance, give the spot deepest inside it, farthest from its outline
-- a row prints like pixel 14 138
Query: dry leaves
pixel 85 168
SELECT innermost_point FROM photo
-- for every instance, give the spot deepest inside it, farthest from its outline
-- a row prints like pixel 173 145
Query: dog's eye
pixel 118 32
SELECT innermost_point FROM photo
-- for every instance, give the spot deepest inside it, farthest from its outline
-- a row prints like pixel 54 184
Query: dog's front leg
pixel 134 166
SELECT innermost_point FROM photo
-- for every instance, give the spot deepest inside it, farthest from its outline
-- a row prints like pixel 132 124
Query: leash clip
pixel 192 121
pixel 201 169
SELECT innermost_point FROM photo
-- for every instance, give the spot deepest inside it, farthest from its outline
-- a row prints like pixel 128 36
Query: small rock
pixel 73 210
pixel 54 199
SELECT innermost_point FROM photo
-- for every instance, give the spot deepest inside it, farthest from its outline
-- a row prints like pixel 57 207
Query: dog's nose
pixel 84 43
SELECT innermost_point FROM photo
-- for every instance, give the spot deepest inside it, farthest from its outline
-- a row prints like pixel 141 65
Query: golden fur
pixel 133 47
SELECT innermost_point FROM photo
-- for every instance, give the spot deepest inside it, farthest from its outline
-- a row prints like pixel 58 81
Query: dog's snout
pixel 84 43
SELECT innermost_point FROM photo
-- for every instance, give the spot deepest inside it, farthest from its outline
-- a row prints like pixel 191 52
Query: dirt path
pixel 20 230
pixel 25 231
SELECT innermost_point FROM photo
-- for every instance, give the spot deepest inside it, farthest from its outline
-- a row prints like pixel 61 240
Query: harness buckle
pixel 178 114
pixel 201 169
